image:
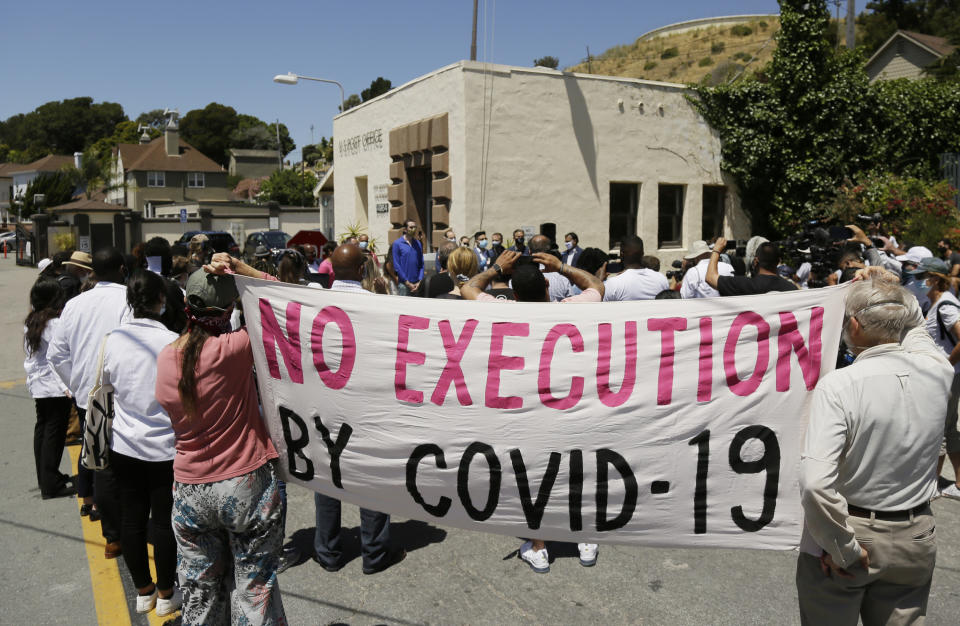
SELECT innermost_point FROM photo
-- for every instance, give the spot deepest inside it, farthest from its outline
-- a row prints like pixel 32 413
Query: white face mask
pixel 363 245
pixel 569 245
pixel 163 308
pixel 496 242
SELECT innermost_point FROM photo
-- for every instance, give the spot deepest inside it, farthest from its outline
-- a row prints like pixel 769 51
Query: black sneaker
pixel 62 492
pixel 335 567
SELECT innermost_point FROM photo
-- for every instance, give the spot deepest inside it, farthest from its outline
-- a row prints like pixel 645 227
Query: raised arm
pixel 478 284
pixel 713 269
pixel 583 280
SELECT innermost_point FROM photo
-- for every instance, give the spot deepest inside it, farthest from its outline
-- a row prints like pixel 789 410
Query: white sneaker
pixel 538 560
pixel 588 554
pixel 166 606
pixel 146 603
pixel 951 492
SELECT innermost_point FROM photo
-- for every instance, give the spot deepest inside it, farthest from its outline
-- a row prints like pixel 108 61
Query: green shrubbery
pixel 813 120
pixel 741 30
pixel 717 47
pixel 670 53
pixel 649 65
pixel 705 61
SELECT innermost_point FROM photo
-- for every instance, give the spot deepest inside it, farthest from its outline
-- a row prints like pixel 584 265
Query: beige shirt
pixel 873 439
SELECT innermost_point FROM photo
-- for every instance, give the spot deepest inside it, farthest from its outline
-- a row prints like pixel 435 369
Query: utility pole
pixel 473 41
pixel 589 64
pixel 836 4
pixel 851 19
pixel 279 151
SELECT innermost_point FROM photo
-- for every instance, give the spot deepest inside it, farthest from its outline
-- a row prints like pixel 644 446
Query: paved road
pixel 449 576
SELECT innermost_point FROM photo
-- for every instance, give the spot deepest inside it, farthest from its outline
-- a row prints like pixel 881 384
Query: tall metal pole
pixel 851 19
pixel 473 41
pixel 279 152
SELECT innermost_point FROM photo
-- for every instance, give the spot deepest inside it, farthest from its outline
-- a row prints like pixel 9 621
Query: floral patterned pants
pixel 229 536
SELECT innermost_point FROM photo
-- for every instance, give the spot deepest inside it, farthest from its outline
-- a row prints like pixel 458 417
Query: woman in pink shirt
pixel 227 514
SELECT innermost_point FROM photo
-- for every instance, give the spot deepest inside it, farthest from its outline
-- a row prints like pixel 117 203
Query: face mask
pixel 496 242
pixel 453 239
pixel 569 245
pixel 163 309
pixel 482 243
pixel 363 245
pixel 519 241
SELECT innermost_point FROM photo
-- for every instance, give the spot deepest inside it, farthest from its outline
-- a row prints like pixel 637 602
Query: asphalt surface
pixel 450 576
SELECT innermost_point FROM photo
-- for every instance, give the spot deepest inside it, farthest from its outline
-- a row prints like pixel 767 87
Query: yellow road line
pixel 108 595
pixel 10 384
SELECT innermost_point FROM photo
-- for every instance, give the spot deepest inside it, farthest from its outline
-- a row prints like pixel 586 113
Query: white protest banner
pixel 669 423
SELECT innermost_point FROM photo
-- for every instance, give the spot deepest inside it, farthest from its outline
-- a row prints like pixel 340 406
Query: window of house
pixel 195 180
pixel 714 197
pixel 670 225
pixel 624 201
pixel 156 179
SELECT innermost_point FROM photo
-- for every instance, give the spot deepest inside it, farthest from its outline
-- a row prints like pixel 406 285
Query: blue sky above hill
pixel 185 55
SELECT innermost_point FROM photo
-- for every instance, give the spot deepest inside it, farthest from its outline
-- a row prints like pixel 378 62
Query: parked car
pixel 220 241
pixel 8 241
pixel 273 240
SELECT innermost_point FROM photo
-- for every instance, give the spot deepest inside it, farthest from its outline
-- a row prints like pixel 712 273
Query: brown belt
pixel 889 516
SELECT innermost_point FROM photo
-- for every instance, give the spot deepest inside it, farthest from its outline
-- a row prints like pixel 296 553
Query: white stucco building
pixel 476 146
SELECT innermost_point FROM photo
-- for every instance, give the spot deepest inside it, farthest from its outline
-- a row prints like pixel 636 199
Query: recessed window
pixel 670 225
pixel 714 197
pixel 156 179
pixel 195 180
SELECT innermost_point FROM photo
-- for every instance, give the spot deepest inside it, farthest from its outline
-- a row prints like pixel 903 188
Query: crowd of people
pixel 191 459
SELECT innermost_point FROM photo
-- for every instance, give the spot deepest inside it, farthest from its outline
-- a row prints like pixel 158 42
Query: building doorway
pixel 714 198
pixel 101 236
pixel 624 202
pixel 420 181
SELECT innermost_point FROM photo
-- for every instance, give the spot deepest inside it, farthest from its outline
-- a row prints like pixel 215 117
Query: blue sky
pixel 185 55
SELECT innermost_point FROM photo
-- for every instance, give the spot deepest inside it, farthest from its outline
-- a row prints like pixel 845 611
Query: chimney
pixel 171 138
pixel 144 138
pixel 77 159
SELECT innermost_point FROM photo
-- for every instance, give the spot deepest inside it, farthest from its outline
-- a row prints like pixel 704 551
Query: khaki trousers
pixel 893 591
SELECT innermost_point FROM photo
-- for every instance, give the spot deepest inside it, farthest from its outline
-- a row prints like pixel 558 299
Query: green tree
pixel 548 61
pixel 209 130
pixel 289 187
pixel 154 119
pixel 57 188
pixel 351 101
pixel 59 127
pixel 320 151
pixel 378 86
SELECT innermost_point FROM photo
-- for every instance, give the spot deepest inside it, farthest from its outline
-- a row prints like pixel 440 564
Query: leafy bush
pixel 741 30
pixel 65 241
pixel 705 61
pixel 742 56
pixel 917 211
pixel 649 65
pixel 717 47
pixel 670 53
pixel 763 25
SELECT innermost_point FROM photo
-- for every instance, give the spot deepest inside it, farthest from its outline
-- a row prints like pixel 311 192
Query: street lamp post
pixel 291 79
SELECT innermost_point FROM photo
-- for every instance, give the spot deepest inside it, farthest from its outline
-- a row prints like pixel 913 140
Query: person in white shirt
pixel 943 324
pixel 560 286
pixel 867 468
pixel 636 282
pixel 694 284
pixel 50 395
pixel 142 444
pixel 73 353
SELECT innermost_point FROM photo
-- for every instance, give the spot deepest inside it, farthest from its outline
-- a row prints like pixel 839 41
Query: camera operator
pixel 637 281
pixel 874 257
pixel 694 283
pixel 763 279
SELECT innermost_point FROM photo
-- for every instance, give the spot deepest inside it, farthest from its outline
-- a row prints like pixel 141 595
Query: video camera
pixel 678 272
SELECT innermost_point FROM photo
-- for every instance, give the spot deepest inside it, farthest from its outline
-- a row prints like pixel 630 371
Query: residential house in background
pixel 253 163
pixel 6 190
pixel 23 175
pixel 164 170
pixel 905 55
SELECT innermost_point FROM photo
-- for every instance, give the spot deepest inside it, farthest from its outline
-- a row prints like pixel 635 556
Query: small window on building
pixel 156 179
pixel 195 180
pixel 714 197
pixel 670 228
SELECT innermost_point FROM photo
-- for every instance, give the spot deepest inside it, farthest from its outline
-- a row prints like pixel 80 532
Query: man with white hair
pixel 867 470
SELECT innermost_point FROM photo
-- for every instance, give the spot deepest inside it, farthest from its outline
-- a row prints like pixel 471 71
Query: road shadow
pixel 411 535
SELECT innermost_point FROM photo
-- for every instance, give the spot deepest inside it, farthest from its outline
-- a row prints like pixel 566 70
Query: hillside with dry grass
pixel 712 54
